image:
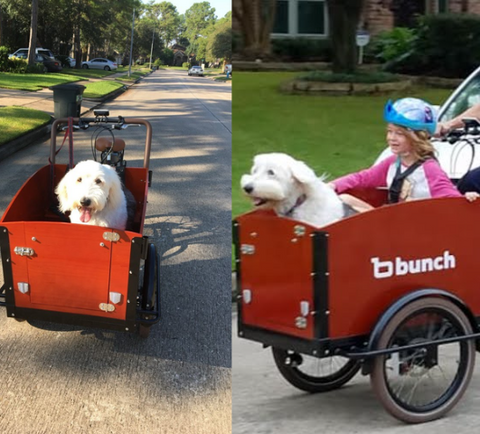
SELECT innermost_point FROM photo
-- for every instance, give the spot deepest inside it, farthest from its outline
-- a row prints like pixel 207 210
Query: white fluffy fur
pixel 277 181
pixel 93 190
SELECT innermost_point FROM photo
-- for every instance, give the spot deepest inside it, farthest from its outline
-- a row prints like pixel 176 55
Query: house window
pixel 311 19
pixel 442 6
pixel 300 18
pixel 281 17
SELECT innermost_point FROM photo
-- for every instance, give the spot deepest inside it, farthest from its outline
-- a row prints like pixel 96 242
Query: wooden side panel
pixel 70 268
pixel 277 272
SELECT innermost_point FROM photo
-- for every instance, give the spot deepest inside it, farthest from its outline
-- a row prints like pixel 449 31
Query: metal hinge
pixel 111 236
pixel 106 307
pixel 24 251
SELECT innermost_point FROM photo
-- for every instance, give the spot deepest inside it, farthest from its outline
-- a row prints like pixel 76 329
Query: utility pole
pixel 131 47
pixel 151 50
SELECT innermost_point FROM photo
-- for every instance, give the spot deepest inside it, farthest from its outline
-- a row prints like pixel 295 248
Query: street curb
pixel 109 96
pixel 25 140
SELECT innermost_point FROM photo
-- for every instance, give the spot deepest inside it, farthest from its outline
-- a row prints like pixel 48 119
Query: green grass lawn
pixel 332 134
pixel 34 82
pixel 15 121
pixel 177 68
pixel 88 73
pixel 98 89
pixel 134 76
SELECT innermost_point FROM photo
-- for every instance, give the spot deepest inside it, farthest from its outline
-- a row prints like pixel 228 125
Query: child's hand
pixel 331 185
pixel 471 196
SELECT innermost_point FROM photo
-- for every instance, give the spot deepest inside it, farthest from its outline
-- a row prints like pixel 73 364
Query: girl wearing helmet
pixel 412 172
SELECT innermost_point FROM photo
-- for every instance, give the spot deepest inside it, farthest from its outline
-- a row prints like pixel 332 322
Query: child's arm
pixel 375 176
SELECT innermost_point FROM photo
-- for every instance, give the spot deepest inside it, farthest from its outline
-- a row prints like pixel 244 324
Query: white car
pixel 22 53
pixel 100 63
pixel 196 70
pixel 456 156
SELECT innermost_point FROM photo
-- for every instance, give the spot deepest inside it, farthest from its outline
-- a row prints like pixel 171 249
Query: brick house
pixel 309 18
pixel 179 56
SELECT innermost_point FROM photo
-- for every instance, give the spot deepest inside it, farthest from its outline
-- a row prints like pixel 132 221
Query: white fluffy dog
pixel 289 187
pixel 93 194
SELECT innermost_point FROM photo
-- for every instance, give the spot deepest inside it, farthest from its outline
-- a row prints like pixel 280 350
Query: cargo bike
pixel 57 271
pixel 362 294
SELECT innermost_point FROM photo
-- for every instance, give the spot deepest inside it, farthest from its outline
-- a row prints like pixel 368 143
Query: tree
pixel 220 42
pixel 198 18
pixel 344 16
pixel 256 19
pixel 33 33
pixel 169 22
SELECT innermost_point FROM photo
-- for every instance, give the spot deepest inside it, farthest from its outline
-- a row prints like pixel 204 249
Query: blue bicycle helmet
pixel 412 113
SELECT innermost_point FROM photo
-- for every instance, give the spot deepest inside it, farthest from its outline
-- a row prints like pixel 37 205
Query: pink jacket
pixel 429 180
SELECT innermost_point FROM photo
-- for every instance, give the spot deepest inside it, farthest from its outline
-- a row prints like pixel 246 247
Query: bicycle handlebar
pixel 119 123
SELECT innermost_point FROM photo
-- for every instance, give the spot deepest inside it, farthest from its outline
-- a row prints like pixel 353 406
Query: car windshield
pixel 467 97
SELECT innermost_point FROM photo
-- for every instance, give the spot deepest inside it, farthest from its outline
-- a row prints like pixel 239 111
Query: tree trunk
pixel 33 33
pixel 344 16
pixel 256 19
pixel 77 47
pixel 1 27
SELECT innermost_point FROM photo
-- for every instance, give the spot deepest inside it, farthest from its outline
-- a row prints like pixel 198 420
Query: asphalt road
pixel 264 403
pixel 57 379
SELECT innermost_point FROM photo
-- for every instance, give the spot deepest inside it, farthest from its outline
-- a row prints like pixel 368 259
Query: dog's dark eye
pixel 271 172
pixel 79 180
pixel 98 181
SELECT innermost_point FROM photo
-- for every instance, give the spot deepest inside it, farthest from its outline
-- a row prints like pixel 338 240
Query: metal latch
pixel 247 249
pixel 106 307
pixel 24 251
pixel 111 236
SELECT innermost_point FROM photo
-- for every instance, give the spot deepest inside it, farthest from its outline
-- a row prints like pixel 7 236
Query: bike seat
pixel 104 143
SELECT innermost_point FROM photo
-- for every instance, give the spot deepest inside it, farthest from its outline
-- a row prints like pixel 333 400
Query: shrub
pixel 391 45
pixel 186 65
pixel 4 51
pixel 17 65
pixel 158 63
pixel 447 45
pixel 36 68
pixel 359 77
pixel 302 49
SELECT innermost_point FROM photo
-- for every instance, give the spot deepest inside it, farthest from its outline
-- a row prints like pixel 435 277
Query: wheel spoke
pixel 423 383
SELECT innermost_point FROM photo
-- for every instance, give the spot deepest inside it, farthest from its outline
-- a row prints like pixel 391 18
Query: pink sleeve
pixel 375 176
pixel 438 181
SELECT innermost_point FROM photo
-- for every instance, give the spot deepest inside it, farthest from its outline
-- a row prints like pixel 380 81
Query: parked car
pixel 49 64
pixel 22 53
pixel 458 157
pixel 66 61
pixel 99 63
pixel 196 70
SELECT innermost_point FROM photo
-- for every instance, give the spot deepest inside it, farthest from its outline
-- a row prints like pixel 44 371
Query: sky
pixel 221 6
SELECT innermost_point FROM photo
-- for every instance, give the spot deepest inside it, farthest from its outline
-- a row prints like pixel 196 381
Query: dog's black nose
pixel 85 201
pixel 248 188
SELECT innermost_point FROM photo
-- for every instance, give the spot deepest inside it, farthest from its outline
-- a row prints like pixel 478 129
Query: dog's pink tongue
pixel 85 214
